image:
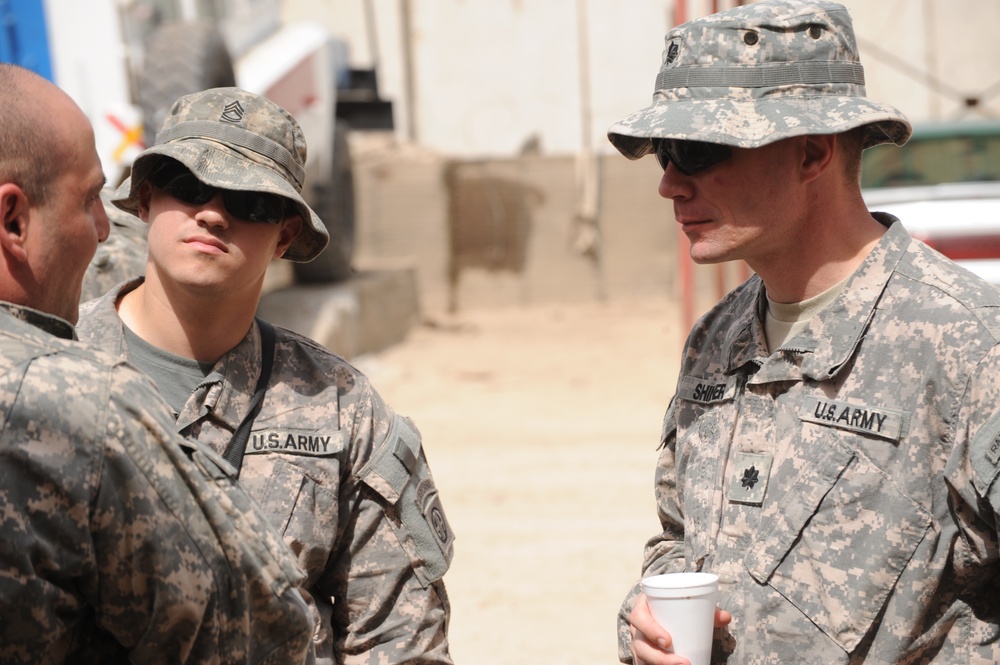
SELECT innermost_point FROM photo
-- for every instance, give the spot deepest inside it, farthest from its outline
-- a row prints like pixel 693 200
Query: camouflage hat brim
pixel 757 74
pixel 755 123
pixel 222 166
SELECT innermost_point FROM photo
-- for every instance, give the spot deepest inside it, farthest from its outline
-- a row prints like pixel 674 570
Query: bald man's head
pixel 51 215
pixel 33 126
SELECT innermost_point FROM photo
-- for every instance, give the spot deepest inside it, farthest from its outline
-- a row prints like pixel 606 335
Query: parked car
pixel 944 185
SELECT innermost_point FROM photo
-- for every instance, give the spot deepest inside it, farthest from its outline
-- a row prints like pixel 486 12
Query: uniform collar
pixel 235 379
pixel 225 392
pixel 50 323
pixel 827 343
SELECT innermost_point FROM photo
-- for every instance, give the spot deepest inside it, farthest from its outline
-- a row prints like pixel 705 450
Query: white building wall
pixel 486 76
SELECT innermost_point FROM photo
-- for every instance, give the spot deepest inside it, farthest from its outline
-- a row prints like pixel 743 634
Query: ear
pixel 142 198
pixel 818 153
pixel 291 227
pixel 15 218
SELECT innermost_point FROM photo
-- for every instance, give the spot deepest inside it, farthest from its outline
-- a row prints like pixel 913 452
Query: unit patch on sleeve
pixel 889 424
pixel 430 505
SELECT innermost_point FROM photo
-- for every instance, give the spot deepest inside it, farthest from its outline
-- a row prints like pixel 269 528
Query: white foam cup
pixel 684 604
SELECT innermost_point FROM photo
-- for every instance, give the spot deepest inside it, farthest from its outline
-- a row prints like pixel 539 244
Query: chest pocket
pixel 304 513
pixel 837 542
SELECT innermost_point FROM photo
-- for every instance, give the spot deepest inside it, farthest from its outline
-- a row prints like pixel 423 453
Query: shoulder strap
pixel 237 446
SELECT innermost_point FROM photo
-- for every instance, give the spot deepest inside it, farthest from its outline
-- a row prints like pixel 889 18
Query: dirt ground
pixel 541 425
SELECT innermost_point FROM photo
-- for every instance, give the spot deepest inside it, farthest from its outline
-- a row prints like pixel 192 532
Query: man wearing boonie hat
pixel 342 477
pixel 831 450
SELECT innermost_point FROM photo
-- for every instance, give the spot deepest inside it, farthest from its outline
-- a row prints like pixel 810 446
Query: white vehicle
pixel 126 61
pixel 944 186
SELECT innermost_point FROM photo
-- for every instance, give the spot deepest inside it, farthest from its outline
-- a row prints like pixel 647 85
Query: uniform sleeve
pixel 88 536
pixel 664 552
pixel 188 569
pixel 155 591
pixel 47 483
pixel 390 604
pixel 974 466
pixel 972 474
pixel 103 550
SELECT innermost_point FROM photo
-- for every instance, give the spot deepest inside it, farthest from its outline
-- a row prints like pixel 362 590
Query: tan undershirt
pixel 785 320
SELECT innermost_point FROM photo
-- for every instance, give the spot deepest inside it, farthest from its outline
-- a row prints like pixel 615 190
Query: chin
pixel 208 287
pixel 711 254
pixel 705 259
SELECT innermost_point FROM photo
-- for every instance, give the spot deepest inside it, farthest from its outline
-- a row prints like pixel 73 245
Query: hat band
pixel 230 134
pixel 763 76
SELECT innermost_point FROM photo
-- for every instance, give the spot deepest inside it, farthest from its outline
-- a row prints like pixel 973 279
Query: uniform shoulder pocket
pixel 399 473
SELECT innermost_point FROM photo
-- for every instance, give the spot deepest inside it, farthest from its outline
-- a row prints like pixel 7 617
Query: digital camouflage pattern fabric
pixel 120 541
pixel 342 478
pixel 757 74
pixel 853 519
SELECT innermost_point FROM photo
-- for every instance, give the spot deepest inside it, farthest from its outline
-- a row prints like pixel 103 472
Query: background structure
pixel 486 78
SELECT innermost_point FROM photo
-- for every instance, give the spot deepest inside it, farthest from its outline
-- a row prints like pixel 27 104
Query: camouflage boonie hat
pixel 234 139
pixel 760 73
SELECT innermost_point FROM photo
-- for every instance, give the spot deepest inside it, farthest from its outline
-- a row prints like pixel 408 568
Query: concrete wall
pixel 482 233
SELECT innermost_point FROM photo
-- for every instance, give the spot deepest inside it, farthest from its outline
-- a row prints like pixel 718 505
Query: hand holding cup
pixel 684 605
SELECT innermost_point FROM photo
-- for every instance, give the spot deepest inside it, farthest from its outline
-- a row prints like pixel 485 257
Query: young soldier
pixel 341 476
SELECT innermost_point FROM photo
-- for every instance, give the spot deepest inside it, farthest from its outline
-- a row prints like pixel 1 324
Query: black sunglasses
pixel 177 181
pixel 690 157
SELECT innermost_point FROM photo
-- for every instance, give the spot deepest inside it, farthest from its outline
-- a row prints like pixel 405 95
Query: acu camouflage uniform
pixel 341 477
pixel 844 486
pixel 119 541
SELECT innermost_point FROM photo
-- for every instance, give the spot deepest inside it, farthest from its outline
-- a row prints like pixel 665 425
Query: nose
pixel 674 184
pixel 213 212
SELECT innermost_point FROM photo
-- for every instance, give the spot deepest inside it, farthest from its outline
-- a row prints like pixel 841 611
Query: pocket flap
pixel 838 542
pixel 778 534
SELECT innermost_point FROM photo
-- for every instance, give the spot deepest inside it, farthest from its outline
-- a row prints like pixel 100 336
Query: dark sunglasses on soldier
pixel 690 157
pixel 177 181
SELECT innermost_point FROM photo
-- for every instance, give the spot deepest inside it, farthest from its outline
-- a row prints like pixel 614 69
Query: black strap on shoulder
pixel 238 444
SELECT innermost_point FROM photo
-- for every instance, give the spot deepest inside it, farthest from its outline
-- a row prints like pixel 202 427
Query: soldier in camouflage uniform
pixel 119 541
pixel 832 448
pixel 342 477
